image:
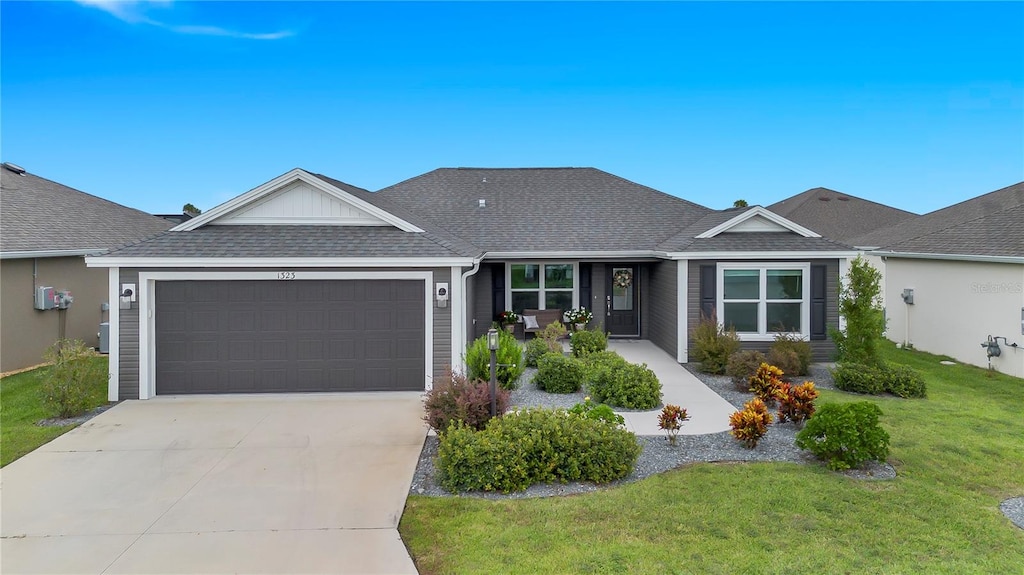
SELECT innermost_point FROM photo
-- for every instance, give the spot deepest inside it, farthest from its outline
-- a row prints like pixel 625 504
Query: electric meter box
pixel 45 298
pixel 63 299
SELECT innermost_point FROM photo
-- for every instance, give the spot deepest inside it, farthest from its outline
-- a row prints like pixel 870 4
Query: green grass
pixel 958 454
pixel 21 407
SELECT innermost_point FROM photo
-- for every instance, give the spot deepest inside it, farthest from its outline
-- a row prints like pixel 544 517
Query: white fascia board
pixel 277 183
pixel 764 213
pixel 575 255
pixel 282 263
pixel 762 255
pixel 959 257
pixel 50 253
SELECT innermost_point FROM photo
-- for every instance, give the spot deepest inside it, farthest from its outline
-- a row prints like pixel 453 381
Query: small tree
pixel 741 203
pixel 860 302
pixel 191 210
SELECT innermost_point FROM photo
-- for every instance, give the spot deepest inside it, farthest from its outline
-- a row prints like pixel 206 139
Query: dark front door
pixel 622 312
pixel 289 336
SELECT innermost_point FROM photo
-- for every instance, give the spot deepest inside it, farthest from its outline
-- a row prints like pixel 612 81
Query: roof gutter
pixel 953 257
pixel 575 255
pixel 50 253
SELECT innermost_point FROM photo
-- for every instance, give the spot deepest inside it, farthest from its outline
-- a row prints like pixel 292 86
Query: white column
pixel 458 311
pixel 682 309
pixel 114 321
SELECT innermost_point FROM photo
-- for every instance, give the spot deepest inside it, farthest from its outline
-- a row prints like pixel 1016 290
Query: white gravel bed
pixel 1013 509
pixel 657 455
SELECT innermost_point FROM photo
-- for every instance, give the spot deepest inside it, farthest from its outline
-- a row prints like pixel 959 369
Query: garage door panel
pixel 269 336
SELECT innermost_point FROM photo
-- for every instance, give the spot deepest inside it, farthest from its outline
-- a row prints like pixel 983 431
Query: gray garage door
pixel 289 336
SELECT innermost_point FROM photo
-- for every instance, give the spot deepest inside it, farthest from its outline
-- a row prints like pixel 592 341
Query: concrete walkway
pixel 708 412
pixel 304 483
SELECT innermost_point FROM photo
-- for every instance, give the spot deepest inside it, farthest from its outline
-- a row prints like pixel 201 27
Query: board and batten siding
pixel 480 288
pixel 662 304
pixel 822 350
pixel 128 350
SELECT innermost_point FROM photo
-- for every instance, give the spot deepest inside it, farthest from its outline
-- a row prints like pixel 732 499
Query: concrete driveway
pixel 310 483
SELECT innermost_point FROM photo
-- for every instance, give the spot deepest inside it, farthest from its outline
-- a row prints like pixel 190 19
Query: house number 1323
pixel 285 275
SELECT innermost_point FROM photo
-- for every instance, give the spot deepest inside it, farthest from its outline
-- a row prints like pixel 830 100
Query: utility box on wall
pixel 45 298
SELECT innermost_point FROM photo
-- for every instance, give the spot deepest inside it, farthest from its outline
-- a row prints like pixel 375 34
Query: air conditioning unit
pixel 104 337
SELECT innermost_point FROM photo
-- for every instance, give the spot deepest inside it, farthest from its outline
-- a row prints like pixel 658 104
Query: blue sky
pixel 154 104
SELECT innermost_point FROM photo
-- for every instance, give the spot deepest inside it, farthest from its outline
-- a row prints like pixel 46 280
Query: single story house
pixel 46 229
pixel 955 280
pixel 306 283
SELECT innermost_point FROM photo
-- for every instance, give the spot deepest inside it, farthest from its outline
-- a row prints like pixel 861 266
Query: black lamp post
pixel 492 344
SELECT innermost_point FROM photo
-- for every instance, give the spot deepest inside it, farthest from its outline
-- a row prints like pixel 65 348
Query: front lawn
pixel 958 453
pixel 21 407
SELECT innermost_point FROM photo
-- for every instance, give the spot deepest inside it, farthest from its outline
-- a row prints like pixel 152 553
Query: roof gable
pixel 298 198
pixel 757 219
pixel 840 216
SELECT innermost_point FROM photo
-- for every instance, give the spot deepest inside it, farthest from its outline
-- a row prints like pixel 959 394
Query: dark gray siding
pixel 823 350
pixel 481 310
pixel 662 305
pixel 598 292
pixel 128 372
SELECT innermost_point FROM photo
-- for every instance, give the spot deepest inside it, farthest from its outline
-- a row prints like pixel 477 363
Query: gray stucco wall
pixel 128 369
pixel 661 317
pixel 823 350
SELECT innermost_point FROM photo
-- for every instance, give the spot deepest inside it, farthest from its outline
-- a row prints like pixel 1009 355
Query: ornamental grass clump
pixel 750 424
pixel 796 402
pixel 713 344
pixel 671 420
pixel 765 383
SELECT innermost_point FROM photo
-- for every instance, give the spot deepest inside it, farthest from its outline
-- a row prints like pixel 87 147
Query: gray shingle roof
pixel 545 209
pixel 998 234
pixel 37 214
pixel 988 204
pixel 762 242
pixel 836 215
pixel 287 242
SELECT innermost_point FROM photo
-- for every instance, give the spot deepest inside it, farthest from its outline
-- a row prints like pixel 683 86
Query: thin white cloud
pixel 134 12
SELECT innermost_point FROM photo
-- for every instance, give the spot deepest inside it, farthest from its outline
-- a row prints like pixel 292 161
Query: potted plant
pixel 508 318
pixel 579 317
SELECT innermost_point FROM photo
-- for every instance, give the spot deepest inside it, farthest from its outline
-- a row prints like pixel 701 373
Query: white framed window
pixel 762 299
pixel 541 285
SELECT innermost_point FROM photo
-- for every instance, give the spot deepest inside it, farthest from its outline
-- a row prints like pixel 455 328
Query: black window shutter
pixel 498 292
pixel 585 286
pixel 708 284
pixel 819 293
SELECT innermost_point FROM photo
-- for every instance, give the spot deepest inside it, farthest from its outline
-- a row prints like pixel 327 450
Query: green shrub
pixel 792 342
pixel 784 359
pixel 742 365
pixel 598 363
pixel 712 345
pixel 845 435
pixel 66 383
pixel 626 385
pixel 899 380
pixel 765 383
pixel 535 348
pixel 860 302
pixel 904 381
pixel 553 333
pixel 557 373
pixel 859 378
pixel 455 398
pixel 750 424
pixel 534 446
pixel 510 360
pixel 591 410
pixel 586 342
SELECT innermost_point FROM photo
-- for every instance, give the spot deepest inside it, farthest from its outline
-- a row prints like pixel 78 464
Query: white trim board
pixel 147 296
pixel 259 193
pixel 114 321
pixel 50 253
pixel 735 224
pixel 954 257
pixel 763 256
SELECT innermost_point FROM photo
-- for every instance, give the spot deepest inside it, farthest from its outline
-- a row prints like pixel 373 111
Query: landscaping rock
pixel 1013 509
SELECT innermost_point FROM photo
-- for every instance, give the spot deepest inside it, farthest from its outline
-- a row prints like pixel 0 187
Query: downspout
pixel 465 315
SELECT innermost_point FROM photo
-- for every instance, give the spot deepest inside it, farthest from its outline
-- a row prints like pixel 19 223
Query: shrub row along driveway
pixel 259 484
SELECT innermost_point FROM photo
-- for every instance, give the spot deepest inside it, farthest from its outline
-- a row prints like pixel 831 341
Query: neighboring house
pixel 306 283
pixel 838 216
pixel 964 267
pixel 45 230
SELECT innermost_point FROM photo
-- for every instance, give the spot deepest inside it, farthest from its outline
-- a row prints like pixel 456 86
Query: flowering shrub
pixel 766 382
pixel 796 402
pixel 508 316
pixel 671 419
pixel 750 425
pixel 579 315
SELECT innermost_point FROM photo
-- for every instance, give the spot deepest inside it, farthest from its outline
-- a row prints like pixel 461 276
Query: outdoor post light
pixel 492 344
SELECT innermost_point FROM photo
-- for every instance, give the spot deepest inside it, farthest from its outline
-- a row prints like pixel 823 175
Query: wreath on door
pixel 622 279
